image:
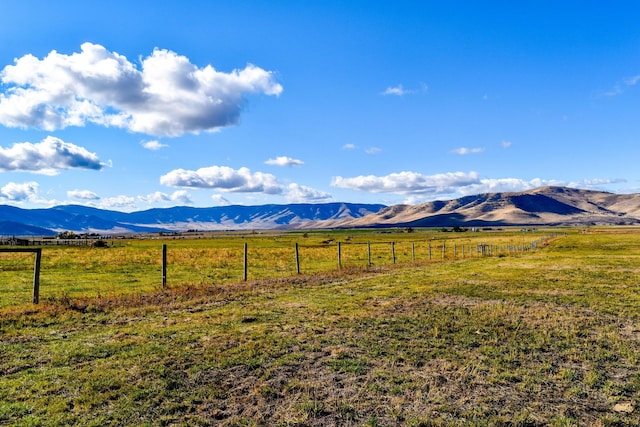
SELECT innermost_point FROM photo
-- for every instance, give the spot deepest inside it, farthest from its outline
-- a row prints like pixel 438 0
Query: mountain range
pixel 15 221
pixel 541 206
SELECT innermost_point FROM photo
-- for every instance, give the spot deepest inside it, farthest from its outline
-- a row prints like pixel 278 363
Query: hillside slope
pixel 541 206
pixel 81 219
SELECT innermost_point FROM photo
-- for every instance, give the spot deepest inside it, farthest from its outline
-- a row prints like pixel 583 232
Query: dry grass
pixel 545 338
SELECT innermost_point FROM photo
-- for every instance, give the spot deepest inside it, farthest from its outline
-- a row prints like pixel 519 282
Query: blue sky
pixel 130 105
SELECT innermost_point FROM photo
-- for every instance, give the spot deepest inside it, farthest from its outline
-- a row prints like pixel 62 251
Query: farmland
pixel 439 337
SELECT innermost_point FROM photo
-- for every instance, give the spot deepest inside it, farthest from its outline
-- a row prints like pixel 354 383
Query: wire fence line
pixel 123 268
pixel 373 253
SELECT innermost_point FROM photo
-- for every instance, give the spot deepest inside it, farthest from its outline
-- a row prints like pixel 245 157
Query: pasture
pixel 523 337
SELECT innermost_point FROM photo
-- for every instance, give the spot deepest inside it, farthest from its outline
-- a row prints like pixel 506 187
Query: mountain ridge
pixel 541 206
pixel 85 219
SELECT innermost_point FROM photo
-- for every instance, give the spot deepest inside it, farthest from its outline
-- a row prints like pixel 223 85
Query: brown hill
pixel 541 206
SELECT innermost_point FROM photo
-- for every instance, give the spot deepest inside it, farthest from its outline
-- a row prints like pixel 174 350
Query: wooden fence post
pixel 244 276
pixel 369 254
pixel 393 252
pixel 164 265
pixel 339 257
pixel 297 260
pixel 36 276
pixel 429 251
pixel 413 252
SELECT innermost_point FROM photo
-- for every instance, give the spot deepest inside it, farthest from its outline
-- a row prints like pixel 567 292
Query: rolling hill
pixel 541 206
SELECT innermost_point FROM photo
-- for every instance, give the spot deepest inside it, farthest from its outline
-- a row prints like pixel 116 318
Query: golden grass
pixel 546 337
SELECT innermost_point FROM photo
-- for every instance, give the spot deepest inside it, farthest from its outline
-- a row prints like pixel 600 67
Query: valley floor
pixel 550 337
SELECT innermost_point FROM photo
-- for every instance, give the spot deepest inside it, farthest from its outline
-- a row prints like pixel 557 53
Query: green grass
pixel 134 266
pixel 548 337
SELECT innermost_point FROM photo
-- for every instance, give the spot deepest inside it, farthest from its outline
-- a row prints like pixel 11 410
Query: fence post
pixel 413 252
pixel 429 251
pixel 369 254
pixel 455 250
pixel 393 252
pixel 339 257
pixel 164 265
pixel 443 249
pixel 36 276
pixel 297 260
pixel 245 266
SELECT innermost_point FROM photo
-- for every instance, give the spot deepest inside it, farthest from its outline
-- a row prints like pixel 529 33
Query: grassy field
pixel 133 266
pixel 544 337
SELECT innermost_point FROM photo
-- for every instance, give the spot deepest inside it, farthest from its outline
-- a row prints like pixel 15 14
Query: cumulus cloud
pixel 82 195
pixel 284 161
pixel 463 150
pixel 166 96
pixel 118 202
pixel 180 196
pixel 508 184
pixel 505 144
pixel 19 192
pixel 153 145
pixel 224 179
pixel 47 157
pixel 302 194
pixel 408 182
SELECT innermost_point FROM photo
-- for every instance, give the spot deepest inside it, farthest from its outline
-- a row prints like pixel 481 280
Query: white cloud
pixel 220 200
pixel 370 150
pixel 508 185
pixel 416 199
pixel 284 161
pixel 602 181
pixel 180 196
pixel 224 179
pixel 463 150
pixel 155 198
pixel 82 195
pixel 153 145
pixel 505 144
pixel 408 182
pixel 167 96
pixel 621 86
pixel 118 202
pixel 632 81
pixel 399 90
pixel 47 157
pixel 15 192
pixel 302 194
pixel 396 90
